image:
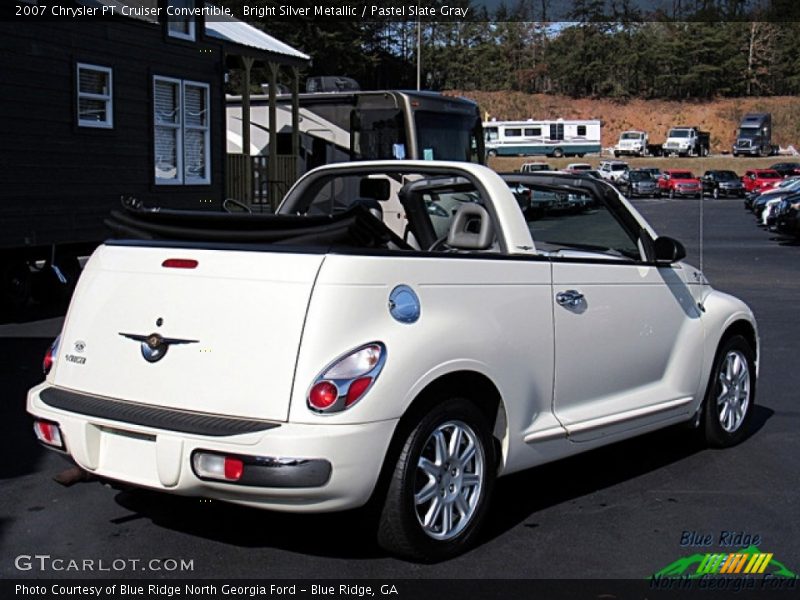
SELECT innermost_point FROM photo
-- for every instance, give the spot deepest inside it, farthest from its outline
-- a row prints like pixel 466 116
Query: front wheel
pixel 731 394
pixel 715 193
pixel 440 488
pixel 558 153
pixel 491 153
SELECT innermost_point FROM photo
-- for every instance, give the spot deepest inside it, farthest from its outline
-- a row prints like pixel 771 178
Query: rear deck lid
pixel 209 331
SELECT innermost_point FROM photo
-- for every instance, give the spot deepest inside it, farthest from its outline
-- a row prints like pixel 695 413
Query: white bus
pixel 549 138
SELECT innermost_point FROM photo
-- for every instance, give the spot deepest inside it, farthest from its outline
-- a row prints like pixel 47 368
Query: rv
pixel 337 127
pixel 549 138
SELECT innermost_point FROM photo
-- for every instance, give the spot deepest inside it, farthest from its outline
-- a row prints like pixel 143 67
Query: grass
pixel 697 165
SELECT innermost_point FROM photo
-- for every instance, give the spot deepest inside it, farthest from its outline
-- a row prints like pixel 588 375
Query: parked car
pixel 783 187
pixel 407 371
pixel 681 183
pixel 655 172
pixel 787 169
pixel 534 167
pixel 787 216
pixel 756 179
pixel 634 183
pixel 722 183
pixel 612 170
pixel 770 213
pixel 579 167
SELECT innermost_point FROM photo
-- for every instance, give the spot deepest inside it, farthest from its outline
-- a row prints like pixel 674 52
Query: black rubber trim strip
pixel 168 419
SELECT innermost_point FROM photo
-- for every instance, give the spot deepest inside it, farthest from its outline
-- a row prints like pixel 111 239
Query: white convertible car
pixel 401 333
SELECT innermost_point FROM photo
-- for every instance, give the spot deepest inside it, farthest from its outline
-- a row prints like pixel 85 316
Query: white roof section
pixel 230 29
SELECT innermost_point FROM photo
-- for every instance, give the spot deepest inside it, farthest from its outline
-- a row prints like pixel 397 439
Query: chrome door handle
pixel 569 298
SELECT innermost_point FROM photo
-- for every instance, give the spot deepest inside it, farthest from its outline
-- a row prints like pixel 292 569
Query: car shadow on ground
pixel 595 470
pixel 786 240
pixel 350 534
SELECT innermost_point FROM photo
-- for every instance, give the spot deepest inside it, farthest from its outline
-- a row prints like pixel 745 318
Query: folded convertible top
pixel 354 227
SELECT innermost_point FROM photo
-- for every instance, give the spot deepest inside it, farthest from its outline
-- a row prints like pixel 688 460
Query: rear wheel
pixel 730 396
pixel 441 484
pixel 491 153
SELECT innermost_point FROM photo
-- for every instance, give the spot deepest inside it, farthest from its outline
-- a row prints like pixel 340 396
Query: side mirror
pixel 668 250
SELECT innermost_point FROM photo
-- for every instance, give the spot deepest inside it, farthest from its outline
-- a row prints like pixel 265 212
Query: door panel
pixel 629 351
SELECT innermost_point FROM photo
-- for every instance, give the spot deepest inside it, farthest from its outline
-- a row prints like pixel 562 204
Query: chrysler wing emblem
pixel 154 346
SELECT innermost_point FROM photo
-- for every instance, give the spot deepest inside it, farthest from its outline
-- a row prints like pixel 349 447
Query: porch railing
pixel 248 180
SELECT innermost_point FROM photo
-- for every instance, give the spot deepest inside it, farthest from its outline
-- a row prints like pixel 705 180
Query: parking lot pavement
pixel 619 512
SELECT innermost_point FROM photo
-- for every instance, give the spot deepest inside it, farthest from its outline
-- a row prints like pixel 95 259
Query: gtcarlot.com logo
pixel 46 563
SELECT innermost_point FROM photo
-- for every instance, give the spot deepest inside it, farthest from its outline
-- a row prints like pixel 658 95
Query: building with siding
pixel 95 109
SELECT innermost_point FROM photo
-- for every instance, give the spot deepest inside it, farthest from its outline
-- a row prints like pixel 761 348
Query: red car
pixel 677 182
pixel 756 180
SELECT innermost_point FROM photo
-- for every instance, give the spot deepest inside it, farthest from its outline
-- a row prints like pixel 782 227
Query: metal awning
pixel 260 44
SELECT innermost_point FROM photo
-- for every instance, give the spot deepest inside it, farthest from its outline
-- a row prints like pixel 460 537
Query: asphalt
pixel 618 512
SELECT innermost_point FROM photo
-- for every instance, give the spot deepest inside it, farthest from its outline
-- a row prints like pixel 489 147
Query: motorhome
pixel 344 126
pixel 554 138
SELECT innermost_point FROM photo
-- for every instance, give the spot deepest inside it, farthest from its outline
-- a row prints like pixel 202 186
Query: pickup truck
pixel 636 143
pixel 687 141
pixel 399 335
pixel 677 182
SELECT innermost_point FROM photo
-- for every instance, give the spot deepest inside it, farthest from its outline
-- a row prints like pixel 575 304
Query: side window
pixel 181 24
pixel 533 131
pixel 95 96
pixel 565 222
pixel 513 132
pixel 581 129
pixel 182 144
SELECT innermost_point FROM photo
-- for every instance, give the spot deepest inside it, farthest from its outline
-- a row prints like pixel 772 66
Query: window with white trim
pixel 181 132
pixel 181 27
pixel 95 96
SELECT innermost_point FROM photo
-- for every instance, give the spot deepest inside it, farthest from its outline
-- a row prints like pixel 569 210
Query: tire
pixel 491 153
pixel 715 193
pixel 672 194
pixel 558 153
pixel 415 490
pixel 728 409
pixel 614 153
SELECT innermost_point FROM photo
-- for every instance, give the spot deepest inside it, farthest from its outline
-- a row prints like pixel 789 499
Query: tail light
pixel 48 433
pixel 50 355
pixel 345 381
pixel 217 466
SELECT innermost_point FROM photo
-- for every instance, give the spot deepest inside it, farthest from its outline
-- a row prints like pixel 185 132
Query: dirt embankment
pixel 721 117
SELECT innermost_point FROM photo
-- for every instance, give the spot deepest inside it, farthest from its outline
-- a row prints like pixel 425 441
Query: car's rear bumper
pixel 287 466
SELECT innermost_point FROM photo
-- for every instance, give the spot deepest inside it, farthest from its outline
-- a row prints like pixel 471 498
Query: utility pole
pixel 419 49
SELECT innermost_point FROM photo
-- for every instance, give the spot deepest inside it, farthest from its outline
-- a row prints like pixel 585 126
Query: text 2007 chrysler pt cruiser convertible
pixel 402 332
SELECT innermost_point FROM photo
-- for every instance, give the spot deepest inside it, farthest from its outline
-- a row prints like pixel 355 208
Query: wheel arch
pixel 744 328
pixel 474 387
